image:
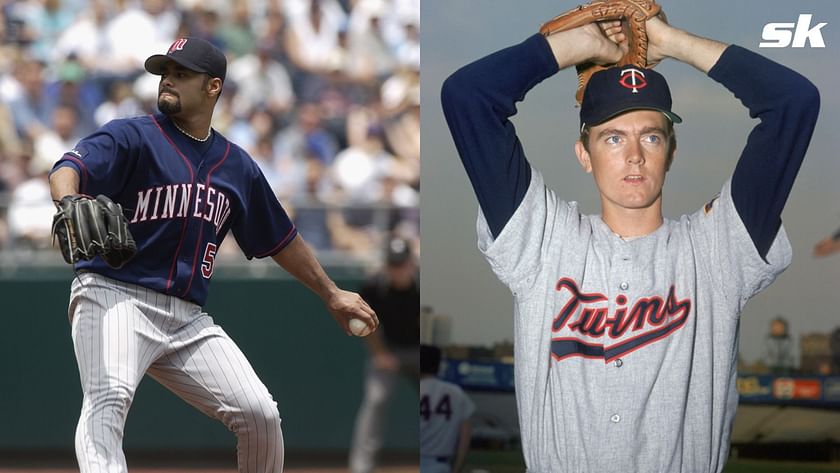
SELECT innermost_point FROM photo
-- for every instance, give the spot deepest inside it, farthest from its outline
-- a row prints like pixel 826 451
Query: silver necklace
pixel 202 140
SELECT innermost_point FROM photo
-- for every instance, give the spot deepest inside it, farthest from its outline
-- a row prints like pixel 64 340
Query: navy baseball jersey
pixel 626 349
pixel 181 197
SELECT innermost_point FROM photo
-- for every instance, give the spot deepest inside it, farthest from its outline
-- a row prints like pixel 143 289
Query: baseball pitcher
pixel 143 275
pixel 626 323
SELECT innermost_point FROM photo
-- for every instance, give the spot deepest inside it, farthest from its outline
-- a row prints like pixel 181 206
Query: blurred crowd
pixel 324 95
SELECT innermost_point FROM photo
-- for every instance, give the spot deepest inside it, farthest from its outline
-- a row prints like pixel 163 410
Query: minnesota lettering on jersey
pixel 176 201
pixel 587 317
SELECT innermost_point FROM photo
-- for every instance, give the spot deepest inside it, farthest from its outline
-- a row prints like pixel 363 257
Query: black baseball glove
pixel 86 227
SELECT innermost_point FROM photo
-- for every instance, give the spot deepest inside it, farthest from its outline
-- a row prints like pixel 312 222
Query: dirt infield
pixel 313 469
pixel 206 462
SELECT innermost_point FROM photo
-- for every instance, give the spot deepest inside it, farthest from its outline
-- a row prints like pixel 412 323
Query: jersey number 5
pixel 443 407
pixel 208 260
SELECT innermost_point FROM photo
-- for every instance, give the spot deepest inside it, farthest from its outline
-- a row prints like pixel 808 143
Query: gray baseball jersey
pixel 443 407
pixel 626 351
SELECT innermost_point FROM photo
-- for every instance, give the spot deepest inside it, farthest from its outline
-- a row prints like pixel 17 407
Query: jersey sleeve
pixel 264 227
pixel 541 222
pixel 104 160
pixel 466 406
pixel 787 105
pixel 478 101
pixel 726 250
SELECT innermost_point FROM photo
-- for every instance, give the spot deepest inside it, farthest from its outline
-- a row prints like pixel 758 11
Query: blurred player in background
pixel 394 294
pixel 445 412
pixel 828 245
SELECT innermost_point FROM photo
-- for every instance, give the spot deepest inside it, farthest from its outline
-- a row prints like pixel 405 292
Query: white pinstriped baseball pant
pixel 122 331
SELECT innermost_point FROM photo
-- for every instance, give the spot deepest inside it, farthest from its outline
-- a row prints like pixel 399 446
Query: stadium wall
pixel 312 368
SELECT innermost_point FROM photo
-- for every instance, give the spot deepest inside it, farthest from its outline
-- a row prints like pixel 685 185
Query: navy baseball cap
pixel 616 90
pixel 195 54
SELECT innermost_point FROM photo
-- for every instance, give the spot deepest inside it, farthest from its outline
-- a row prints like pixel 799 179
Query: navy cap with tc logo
pixel 195 54
pixel 616 90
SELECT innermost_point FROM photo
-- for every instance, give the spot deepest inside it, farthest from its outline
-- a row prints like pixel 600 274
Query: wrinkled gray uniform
pixel 627 350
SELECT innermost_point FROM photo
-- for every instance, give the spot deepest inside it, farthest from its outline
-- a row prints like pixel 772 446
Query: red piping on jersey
pixel 201 228
pixel 286 239
pixel 82 167
pixel 184 225
pixel 169 139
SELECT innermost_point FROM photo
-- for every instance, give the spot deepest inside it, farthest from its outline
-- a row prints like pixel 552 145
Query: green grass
pixel 756 466
pixel 512 462
pixel 509 461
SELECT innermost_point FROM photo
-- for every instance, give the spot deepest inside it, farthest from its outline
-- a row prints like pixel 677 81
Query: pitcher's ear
pixel 583 156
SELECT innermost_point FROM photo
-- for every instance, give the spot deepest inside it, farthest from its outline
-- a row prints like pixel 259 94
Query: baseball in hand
pixel 359 328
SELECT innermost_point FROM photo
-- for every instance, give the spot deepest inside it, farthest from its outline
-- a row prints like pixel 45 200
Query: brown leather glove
pixel 633 15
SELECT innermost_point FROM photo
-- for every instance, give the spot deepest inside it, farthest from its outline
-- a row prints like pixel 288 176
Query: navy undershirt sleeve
pixel 478 101
pixel 787 105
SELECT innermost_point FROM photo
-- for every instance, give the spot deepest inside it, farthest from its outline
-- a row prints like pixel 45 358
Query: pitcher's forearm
pixel 668 41
pixel 299 261
pixel 64 181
